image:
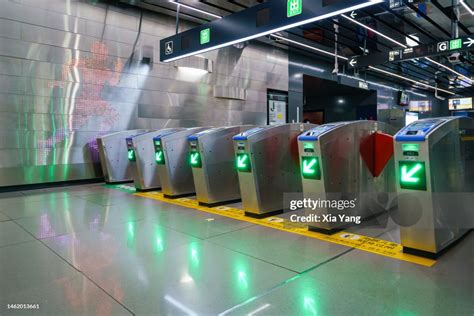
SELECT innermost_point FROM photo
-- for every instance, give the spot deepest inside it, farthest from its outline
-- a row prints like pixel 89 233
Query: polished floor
pixel 91 250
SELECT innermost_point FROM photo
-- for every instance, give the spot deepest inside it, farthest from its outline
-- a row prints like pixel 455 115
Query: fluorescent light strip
pixel 404 46
pixel 318 18
pixel 308 46
pixel 196 9
pixel 375 31
pixel 411 80
pixel 467 7
pixel 467 79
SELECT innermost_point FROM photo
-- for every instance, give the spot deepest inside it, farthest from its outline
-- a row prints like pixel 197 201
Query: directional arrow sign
pixel 353 62
pixel 353 14
pixel 131 155
pixel 311 168
pixel 469 42
pixel 243 162
pixel 195 160
pixel 159 157
pixel 412 175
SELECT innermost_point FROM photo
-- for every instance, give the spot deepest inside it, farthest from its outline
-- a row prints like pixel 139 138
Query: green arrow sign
pixel 412 175
pixel 243 163
pixel 131 155
pixel 311 168
pixel 160 157
pixel 195 160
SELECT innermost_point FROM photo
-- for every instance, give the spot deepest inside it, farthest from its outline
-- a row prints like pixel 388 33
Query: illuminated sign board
pixel 243 162
pixel 412 175
pixel 160 157
pixel 310 168
pixel 131 155
pixel 195 159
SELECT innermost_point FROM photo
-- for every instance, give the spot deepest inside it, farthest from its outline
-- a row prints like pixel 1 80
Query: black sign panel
pixel 433 49
pixel 252 23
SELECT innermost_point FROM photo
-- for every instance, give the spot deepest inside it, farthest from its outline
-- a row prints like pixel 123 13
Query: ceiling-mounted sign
pixel 428 50
pixel 244 25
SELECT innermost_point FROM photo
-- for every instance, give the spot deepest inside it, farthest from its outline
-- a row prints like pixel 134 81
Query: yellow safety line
pixel 365 243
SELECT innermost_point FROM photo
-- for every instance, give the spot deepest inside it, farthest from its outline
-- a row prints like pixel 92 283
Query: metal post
pixel 177 18
pixel 455 20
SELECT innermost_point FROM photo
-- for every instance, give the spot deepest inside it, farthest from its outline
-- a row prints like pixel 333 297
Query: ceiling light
pixel 196 9
pixel 411 80
pixel 375 31
pixel 468 8
pixel 285 27
pixel 464 78
pixel 308 47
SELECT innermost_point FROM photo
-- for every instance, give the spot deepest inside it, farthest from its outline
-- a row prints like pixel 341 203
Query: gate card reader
pixel 334 169
pixel 211 156
pixel 113 156
pixel 435 183
pixel 266 159
pixel 141 156
pixel 171 161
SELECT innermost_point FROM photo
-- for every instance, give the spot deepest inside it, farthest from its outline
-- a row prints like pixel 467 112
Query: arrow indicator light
pixel 160 157
pixel 310 168
pixel 195 160
pixel 131 155
pixel 243 163
pixel 412 175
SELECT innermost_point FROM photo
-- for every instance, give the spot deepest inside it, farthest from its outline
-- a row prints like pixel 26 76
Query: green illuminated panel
pixel 294 7
pixel 160 157
pixel 205 36
pixel 455 44
pixel 243 163
pixel 412 175
pixel 131 155
pixel 310 168
pixel 195 160
pixel 411 147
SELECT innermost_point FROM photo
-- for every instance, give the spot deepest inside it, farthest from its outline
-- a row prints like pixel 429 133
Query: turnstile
pixel 435 183
pixel 268 166
pixel 113 156
pixel 172 165
pixel 141 156
pixel 338 170
pixel 212 160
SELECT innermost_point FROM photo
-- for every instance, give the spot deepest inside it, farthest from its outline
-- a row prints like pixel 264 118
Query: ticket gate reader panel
pixel 113 156
pixel 333 169
pixel 266 159
pixel 171 159
pixel 435 183
pixel 140 153
pixel 211 155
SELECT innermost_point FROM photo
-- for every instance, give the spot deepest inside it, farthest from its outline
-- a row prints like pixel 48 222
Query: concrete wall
pixel 66 78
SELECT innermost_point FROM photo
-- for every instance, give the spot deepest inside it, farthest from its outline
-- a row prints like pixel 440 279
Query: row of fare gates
pixel 425 171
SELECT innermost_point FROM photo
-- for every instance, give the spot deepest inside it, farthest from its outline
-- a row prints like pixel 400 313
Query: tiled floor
pixel 90 250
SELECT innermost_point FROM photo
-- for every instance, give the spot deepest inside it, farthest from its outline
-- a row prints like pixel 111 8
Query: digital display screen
pixel 460 104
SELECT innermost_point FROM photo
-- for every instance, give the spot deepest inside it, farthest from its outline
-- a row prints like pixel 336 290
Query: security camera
pixel 456 58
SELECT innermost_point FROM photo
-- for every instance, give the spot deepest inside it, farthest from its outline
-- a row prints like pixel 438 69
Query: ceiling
pixel 424 23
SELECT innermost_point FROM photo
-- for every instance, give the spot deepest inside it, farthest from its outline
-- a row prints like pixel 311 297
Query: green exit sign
pixel 160 157
pixel 243 162
pixel 195 160
pixel 131 155
pixel 412 175
pixel 455 44
pixel 310 168
pixel 205 36
pixel 294 7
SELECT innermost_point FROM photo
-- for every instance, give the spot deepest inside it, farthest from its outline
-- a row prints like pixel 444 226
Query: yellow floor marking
pixel 369 244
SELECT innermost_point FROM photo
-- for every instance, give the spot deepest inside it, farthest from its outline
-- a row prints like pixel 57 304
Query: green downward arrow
pixel 194 158
pixel 408 175
pixel 241 162
pixel 308 166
